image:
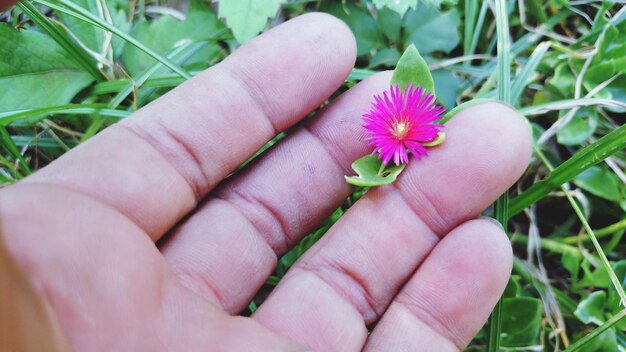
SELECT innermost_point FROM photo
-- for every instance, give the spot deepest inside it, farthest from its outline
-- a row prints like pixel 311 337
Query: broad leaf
pixel 591 309
pixel 246 18
pixel 368 168
pixel 386 57
pixel 448 85
pixel 412 69
pixel 163 34
pixel 432 30
pixel 605 342
pixel 390 24
pixel 37 70
pixel 93 37
pixel 361 23
pixel 580 128
pixel 399 6
pixel 521 320
pixel 600 182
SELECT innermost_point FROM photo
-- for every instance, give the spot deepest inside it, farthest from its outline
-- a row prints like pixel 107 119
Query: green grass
pixel 560 63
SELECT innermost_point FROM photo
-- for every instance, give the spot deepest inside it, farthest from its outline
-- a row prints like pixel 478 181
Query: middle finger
pixel 229 247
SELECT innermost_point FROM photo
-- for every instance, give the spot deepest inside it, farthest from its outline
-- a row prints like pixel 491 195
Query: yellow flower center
pixel 400 129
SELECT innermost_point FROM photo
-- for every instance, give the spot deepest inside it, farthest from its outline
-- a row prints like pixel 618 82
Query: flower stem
pixel 382 168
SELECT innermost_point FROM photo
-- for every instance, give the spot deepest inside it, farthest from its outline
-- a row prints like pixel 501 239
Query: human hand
pixel 407 256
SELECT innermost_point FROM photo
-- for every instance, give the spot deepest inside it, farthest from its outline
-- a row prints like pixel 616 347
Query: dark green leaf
pixel 385 57
pixel 563 80
pixel 432 30
pixel 600 182
pixel 163 34
pixel 364 27
pixel 37 70
pixel 521 321
pixel 591 309
pixel 605 342
pixel 571 262
pixel 582 126
pixel 390 23
pixel 448 85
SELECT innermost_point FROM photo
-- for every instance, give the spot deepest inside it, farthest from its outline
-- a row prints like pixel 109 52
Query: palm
pixel 84 228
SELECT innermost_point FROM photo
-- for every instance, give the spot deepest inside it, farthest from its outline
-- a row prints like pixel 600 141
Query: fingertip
pixel 491 237
pixel 508 127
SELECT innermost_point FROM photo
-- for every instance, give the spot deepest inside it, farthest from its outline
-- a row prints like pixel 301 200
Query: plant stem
pixel 581 216
pixel 382 168
pixel 501 205
pixel 597 331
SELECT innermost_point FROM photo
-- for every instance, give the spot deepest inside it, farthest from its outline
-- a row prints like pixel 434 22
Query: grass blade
pixel 585 158
pixel 78 12
pixel 62 38
pixel 581 216
pixel 9 145
pixel 596 332
pixel 471 11
pixel 9 117
pixel 523 78
pixel 501 206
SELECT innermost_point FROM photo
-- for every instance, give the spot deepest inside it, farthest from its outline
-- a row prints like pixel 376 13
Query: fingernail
pixel 493 221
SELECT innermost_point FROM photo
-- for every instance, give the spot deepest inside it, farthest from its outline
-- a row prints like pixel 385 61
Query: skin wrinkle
pixel 376 302
pixel 257 94
pixel 242 201
pixel 333 274
pixel 344 167
pixel 420 201
pixel 419 310
pixel 184 151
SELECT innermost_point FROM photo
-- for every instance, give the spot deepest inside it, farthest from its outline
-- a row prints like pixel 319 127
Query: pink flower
pixel 398 121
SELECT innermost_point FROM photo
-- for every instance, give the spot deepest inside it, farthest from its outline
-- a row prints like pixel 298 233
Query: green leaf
pixel 582 160
pixel 571 262
pixel 390 23
pixel 512 287
pixel 597 277
pixel 163 34
pixel 432 30
pixel 246 18
pixel 582 126
pixel 92 36
pixel 605 342
pixel 399 6
pixel 364 27
pixel 37 70
pixel 600 182
pixel 386 57
pixel 412 69
pixel 368 167
pixel 613 302
pixel 591 309
pixel 562 82
pixel 448 85
pixel 521 321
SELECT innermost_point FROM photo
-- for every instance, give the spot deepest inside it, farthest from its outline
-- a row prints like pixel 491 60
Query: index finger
pixel 155 166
